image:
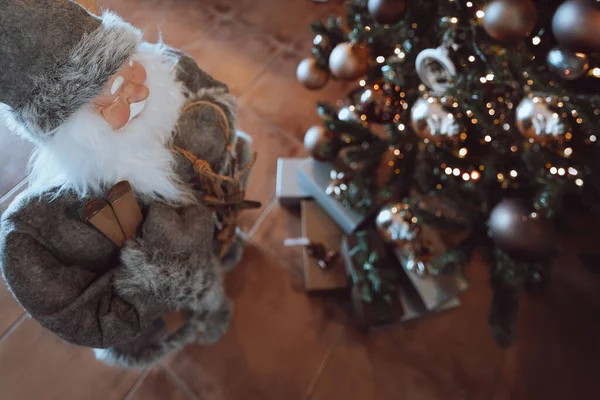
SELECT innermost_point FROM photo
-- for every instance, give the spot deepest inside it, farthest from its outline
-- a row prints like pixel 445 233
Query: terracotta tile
pixel 557 349
pixel 125 8
pixel 278 97
pixel 270 144
pixel 284 20
pixel 275 343
pixel 279 224
pixel 14 153
pixel 366 369
pixel 11 310
pixel 180 22
pixel 233 53
pixel 158 385
pixel 456 346
pixel 35 364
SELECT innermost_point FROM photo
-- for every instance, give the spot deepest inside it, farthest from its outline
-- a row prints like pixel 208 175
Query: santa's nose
pixel 135 93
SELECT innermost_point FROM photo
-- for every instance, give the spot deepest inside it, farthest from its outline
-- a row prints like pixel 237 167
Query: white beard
pixel 86 156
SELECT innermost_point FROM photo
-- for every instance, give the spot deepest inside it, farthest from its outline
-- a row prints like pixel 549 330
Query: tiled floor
pixel 282 343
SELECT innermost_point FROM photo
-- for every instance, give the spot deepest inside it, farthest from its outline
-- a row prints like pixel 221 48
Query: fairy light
pixel 454 20
pixel 363 117
pixel 593 138
pixel 513 149
pixel 456 172
pixel 471 58
pixel 381 59
pixel 474 121
pixel 492 112
pixel 500 177
pixel 487 138
pixel 561 171
pixel 475 175
pixel 351 108
pixel 536 40
pixel 568 135
pixel 514 173
pixel 573 171
pixel 579 182
pixel 506 127
pixel 553 170
pixel 489 77
pixel 596 72
pixel 579 120
pixel 362 82
pixel 368 28
pixel 401 127
pixel 480 14
pixel 469 4
pixel 448 171
pixel 568 152
pixel 466 177
pixel 469 113
pixel 483 79
pixel 463 152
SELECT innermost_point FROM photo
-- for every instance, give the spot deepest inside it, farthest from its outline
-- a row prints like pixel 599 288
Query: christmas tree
pixel 476 117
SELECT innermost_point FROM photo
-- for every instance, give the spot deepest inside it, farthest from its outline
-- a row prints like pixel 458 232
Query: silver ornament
pixel 346 114
pixel 397 224
pixel 433 121
pixel 436 69
pixel 567 64
pixel 537 121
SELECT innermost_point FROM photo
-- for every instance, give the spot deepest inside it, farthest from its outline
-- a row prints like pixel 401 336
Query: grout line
pixel 261 218
pixel 324 363
pixel 13 191
pixel 177 381
pixel 13 327
pixel 138 383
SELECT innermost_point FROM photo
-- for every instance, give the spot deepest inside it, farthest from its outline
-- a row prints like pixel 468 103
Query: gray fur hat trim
pixel 72 82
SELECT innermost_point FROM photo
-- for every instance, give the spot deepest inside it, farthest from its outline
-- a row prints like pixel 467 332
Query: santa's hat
pixel 55 57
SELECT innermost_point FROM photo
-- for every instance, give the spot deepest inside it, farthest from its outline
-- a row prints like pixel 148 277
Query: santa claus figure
pixel 135 184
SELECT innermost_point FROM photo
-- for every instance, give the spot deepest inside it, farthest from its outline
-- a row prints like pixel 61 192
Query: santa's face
pixel 124 97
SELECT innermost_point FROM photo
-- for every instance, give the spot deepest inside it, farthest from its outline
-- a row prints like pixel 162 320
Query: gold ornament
pixel 348 61
pixel 311 75
pixel 509 20
pixel 567 64
pixel 538 122
pixel 386 11
pixel 397 224
pixel 432 120
pixel 576 25
pixel 321 144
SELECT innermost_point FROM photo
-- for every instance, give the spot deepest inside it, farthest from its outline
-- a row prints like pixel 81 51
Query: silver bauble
pixel 568 64
pixel 576 25
pixel 537 121
pixel 311 75
pixel 397 224
pixel 518 231
pixel 433 121
pixel 348 61
pixel 346 114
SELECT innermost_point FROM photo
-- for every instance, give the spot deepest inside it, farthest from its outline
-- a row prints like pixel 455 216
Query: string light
pixel 514 173
pixel 456 172
pixel 500 177
pixel 381 59
pixel 483 79
pixel 401 127
pixel 480 14
pixel 579 182
pixel 487 138
pixel 536 40
pixel 469 4
pixel 568 152
pixel 573 171
pixel 471 58
pixel 592 138
pixel 475 175
pixel 466 177
pixel 454 20
pixel 489 77
pixel 463 152
pixel 362 82
pixel 553 170
pixel 448 171
pixel 561 171
pixel 596 72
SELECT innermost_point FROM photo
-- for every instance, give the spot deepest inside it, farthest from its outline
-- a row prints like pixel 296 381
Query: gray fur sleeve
pixel 173 260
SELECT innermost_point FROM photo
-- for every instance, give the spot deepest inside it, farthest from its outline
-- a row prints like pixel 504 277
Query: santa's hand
pixel 178 229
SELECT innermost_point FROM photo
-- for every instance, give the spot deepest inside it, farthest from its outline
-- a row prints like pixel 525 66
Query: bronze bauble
pixel 321 144
pixel 380 104
pixel 538 121
pixel 311 75
pixel 432 120
pixel 567 64
pixel 576 25
pixel 509 20
pixel 521 233
pixel 397 224
pixel 348 61
pixel 387 11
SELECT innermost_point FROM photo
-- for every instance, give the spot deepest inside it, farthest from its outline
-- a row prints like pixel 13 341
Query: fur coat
pixel 82 287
